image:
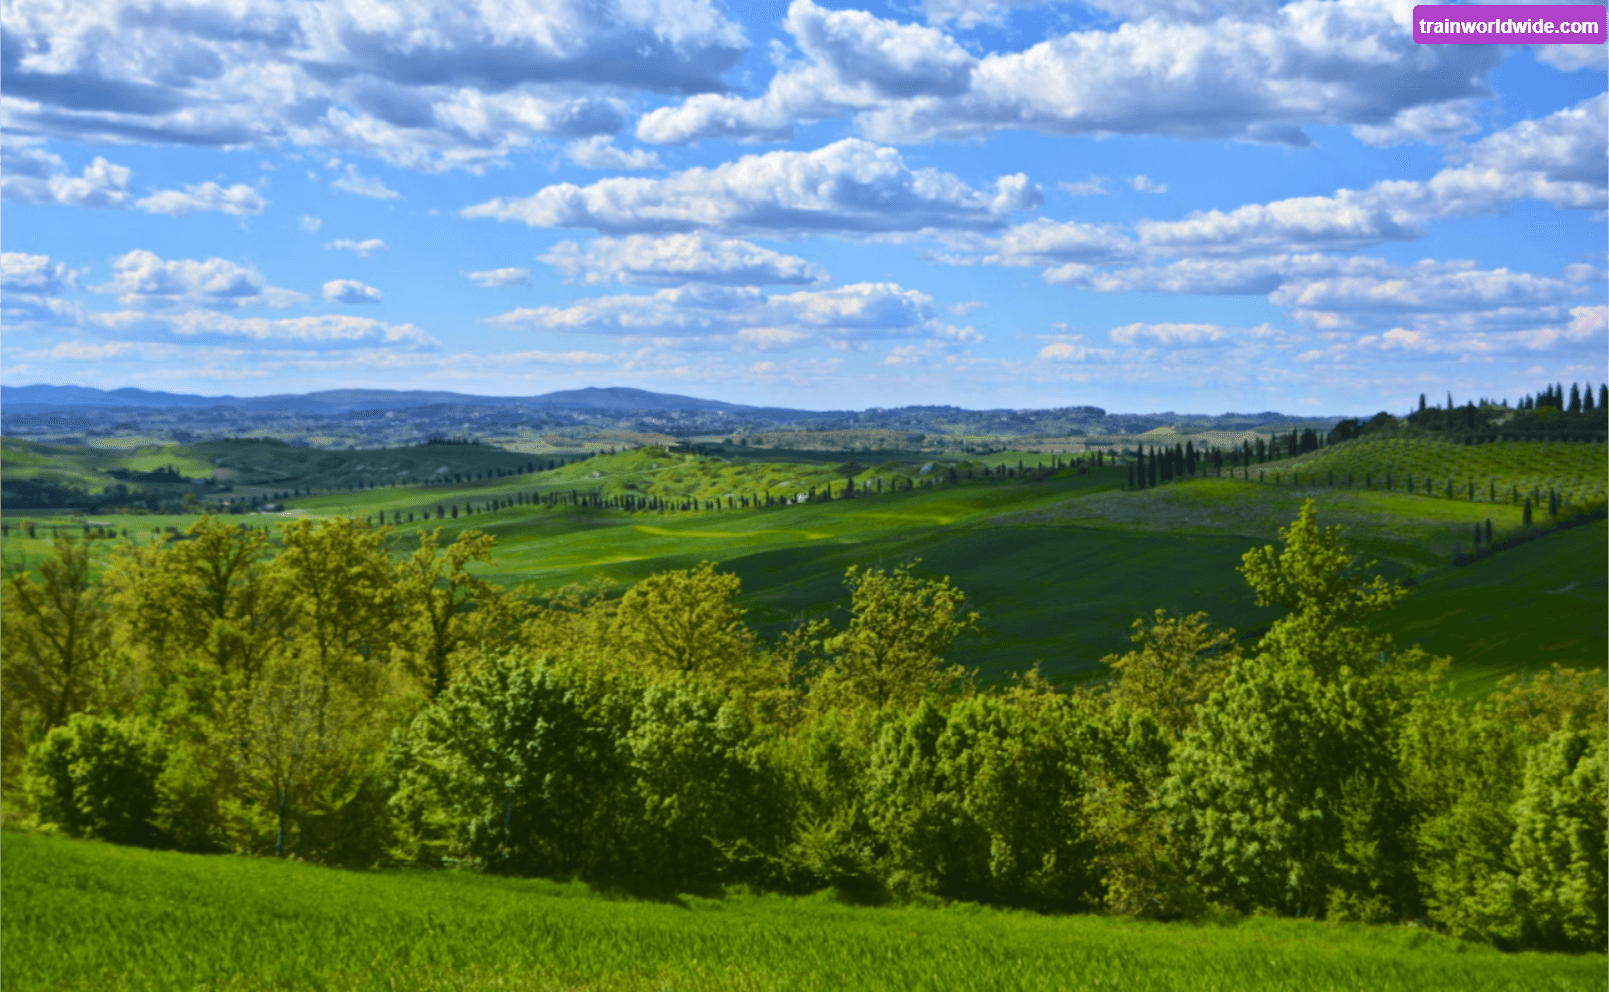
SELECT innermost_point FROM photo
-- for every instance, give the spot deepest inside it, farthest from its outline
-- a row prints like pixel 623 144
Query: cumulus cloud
pixel 143 279
pixel 1558 159
pixel 322 331
pixel 31 287
pixel 33 175
pixel 854 60
pixel 1073 352
pixel 354 182
pixel 309 224
pixel 1251 72
pixel 40 275
pixel 745 317
pixel 427 85
pixel 850 187
pixel 350 291
pixel 1168 335
pixel 493 278
pixel 679 258
pixel 1145 184
pixel 363 248
pixel 599 152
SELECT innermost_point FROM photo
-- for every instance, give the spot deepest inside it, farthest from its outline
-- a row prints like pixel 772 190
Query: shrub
pixel 97 777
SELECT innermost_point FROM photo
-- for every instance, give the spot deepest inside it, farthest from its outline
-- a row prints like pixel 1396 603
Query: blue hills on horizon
pixel 42 398
pixel 20 399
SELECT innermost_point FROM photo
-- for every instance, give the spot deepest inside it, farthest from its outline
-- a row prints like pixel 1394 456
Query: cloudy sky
pixel 1162 205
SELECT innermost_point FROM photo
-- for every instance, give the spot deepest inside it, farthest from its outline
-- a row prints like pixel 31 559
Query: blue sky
pixel 1168 205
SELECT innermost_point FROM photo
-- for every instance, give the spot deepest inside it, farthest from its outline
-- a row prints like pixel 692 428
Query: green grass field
pixel 87 916
pixel 1059 568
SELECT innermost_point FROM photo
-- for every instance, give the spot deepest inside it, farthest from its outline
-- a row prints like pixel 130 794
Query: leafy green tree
pixel 517 768
pixel 54 637
pixel 205 597
pixel 1559 839
pixel 445 611
pixel 1288 792
pixel 96 776
pixel 337 577
pixel 305 759
pixel 1180 662
pixel 709 804
pixel 684 623
pixel 981 802
pixel 1327 593
pixel 1288 795
pixel 892 652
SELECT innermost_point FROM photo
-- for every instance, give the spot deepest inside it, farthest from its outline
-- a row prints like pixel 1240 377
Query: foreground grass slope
pixel 89 916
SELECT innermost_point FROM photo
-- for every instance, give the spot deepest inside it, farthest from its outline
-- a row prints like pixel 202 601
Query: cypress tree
pixel 1553 502
pixel 1151 469
pixel 1586 399
pixel 1603 396
pixel 1575 398
pixel 1421 402
pixel 1527 517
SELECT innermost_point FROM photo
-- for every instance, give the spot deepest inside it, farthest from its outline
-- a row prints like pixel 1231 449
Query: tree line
pixel 312 695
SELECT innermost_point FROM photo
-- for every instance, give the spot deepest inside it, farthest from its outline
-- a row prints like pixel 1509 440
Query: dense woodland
pixel 312 695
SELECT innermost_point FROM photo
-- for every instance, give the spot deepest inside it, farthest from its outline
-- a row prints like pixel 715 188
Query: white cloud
pixel 1047 242
pixel 1093 186
pixel 310 224
pixel 1074 353
pixel 855 60
pixel 350 291
pixel 599 152
pixel 1168 335
pixel 89 351
pixel 32 175
pixel 848 187
pixel 363 248
pixel 555 358
pixel 31 287
pixel 322 331
pixel 21 272
pixel 1558 158
pixel 141 278
pixel 238 199
pixel 1252 72
pixel 679 258
pixel 358 184
pixel 493 278
pixel 1433 123
pixel 1147 185
pixel 745 317
pixel 428 85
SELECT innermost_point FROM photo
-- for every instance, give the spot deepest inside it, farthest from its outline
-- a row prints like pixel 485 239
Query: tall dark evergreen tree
pixel 1575 398
pixel 1421 402
pixel 1151 469
pixel 1603 396
pixel 1527 513
pixel 1586 399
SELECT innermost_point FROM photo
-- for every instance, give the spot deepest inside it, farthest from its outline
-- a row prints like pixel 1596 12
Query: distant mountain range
pixel 32 399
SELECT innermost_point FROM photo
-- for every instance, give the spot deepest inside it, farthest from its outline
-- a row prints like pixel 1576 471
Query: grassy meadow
pixel 89 916
pixel 1059 566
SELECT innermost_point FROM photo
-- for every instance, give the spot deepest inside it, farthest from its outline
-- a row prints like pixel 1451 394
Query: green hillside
pixel 1577 469
pixel 91 916
pixel 1059 565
